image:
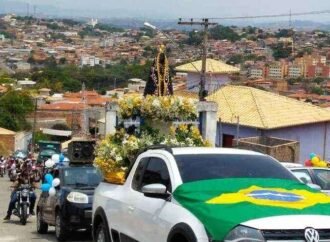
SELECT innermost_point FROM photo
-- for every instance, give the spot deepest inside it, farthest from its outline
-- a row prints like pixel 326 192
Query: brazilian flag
pixel 222 204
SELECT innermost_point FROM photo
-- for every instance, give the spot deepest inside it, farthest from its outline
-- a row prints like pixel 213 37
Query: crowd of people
pixel 22 171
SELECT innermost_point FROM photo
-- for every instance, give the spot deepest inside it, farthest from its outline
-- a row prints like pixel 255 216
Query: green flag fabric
pixel 222 204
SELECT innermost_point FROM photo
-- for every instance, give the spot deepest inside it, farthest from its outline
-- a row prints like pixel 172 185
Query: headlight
pixel 25 193
pixel 77 197
pixel 244 234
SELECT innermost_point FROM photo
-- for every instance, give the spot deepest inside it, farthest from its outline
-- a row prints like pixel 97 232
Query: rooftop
pixel 6 132
pixel 212 66
pixel 264 110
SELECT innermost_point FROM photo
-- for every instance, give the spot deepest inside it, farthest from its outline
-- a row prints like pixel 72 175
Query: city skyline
pixel 172 9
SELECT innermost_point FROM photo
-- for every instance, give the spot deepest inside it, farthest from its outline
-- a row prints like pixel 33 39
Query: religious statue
pixel 159 82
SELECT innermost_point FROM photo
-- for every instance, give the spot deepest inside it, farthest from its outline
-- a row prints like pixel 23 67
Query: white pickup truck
pixel 209 194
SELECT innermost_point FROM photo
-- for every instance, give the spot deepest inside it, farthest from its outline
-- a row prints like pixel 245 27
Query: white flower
pixel 156 103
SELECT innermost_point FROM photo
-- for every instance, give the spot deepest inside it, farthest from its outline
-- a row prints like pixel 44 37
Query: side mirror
pixel 155 191
pixel 314 186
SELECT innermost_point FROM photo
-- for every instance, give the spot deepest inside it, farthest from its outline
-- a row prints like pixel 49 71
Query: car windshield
pixel 218 166
pixel 322 178
pixel 81 177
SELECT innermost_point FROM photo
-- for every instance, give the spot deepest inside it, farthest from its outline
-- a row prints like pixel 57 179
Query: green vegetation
pixel 195 38
pixel 224 33
pixel 70 78
pixel 108 28
pixel 281 50
pixel 317 90
pixel 14 106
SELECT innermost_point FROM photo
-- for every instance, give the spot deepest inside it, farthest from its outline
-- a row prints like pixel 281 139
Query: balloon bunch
pixel 316 161
pixel 50 184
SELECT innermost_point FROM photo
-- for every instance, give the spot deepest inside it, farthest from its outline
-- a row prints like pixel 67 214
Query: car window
pixel 138 173
pixel 156 172
pixel 303 175
pixel 219 166
pixel 81 177
pixel 322 178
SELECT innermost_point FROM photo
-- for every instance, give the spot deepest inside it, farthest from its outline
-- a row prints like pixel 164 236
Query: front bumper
pixel 77 216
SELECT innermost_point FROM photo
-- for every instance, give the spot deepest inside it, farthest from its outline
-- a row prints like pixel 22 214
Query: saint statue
pixel 159 82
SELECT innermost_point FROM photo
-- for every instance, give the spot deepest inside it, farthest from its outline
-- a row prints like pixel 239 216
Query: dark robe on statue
pixel 159 82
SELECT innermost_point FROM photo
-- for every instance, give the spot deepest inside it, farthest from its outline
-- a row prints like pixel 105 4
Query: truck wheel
pixel 60 230
pixel 42 227
pixel 102 234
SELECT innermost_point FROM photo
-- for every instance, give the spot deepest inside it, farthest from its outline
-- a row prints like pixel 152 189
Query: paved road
pixel 12 231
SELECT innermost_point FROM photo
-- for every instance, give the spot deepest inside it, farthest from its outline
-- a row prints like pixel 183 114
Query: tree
pixel 281 51
pixel 318 80
pixel 317 90
pixel 222 32
pixel 14 106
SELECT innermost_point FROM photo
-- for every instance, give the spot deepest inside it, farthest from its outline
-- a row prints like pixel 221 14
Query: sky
pixel 190 8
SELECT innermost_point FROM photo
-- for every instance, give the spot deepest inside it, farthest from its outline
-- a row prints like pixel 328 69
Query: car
pixel 312 175
pixel 209 194
pixel 71 208
pixel 45 155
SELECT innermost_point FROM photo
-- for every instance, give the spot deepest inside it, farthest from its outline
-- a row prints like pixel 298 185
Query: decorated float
pixel 163 119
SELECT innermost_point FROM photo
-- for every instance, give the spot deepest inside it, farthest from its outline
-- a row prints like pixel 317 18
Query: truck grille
pixel 293 235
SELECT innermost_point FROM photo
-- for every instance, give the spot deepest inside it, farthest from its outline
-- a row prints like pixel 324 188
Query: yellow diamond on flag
pixel 276 197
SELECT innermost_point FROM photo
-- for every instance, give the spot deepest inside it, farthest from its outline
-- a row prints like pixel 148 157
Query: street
pixel 13 231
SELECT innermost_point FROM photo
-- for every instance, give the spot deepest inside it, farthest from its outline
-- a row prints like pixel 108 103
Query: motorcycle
pixel 12 173
pixel 22 206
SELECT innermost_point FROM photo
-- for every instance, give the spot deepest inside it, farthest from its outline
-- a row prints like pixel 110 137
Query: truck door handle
pixel 131 208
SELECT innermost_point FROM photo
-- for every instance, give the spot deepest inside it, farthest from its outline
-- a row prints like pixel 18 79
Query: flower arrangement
pixel 164 108
pixel 116 152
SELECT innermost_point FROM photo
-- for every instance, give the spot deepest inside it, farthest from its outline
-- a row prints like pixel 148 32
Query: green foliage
pixel 38 136
pixel 147 32
pixel 318 80
pixel 281 51
pixel 224 33
pixel 14 106
pixel 317 90
pixel 283 33
pixel 108 28
pixel 70 22
pixel 71 77
pixel 89 31
pixel 195 38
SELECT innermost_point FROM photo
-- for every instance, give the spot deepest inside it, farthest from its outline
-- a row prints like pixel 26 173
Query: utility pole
pixel 34 125
pixel 205 23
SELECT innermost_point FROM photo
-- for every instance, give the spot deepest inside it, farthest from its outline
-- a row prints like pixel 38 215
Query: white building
pixel 276 71
pixel 295 71
pixel 89 61
pixel 256 72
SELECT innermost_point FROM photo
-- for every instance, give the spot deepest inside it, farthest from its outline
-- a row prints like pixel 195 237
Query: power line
pixel 274 15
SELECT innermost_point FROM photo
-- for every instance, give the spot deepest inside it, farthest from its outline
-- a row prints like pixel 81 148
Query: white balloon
pixel 56 182
pixel 56 158
pixel 49 163
pixel 52 192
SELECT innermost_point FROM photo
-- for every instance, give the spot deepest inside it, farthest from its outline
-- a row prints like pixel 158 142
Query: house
pixel 248 112
pixel 217 74
pixel 11 141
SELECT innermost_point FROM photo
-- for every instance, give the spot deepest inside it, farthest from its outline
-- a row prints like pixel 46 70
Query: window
pixel 156 172
pixel 218 166
pixel 303 175
pixel 322 178
pixel 138 173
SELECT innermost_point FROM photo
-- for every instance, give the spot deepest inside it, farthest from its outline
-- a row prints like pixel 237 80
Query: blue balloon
pixel 45 187
pixel 49 178
pixel 61 157
pixel 312 155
